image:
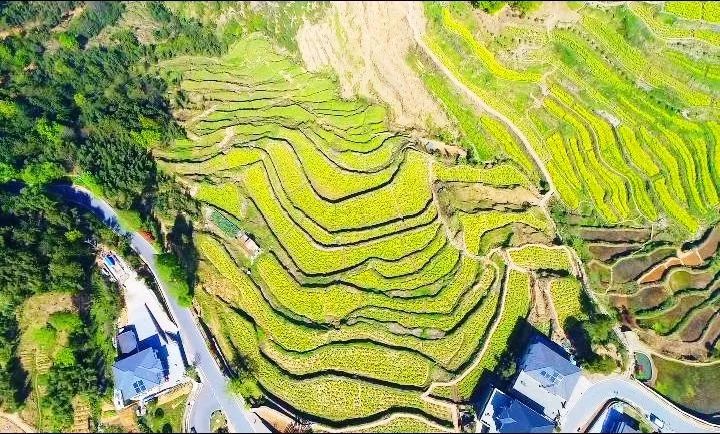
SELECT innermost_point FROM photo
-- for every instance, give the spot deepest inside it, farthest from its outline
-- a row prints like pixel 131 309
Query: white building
pixel 547 377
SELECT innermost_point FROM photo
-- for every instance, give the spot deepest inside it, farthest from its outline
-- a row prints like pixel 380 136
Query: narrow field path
pixel 485 107
pixel 16 420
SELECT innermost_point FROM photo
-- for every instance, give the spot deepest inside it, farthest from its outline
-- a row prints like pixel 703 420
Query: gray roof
pixel 127 342
pixel 511 415
pixel 137 373
pixel 547 363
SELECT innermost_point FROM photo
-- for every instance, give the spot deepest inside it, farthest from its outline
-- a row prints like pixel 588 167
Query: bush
pixel 64 321
pixel 600 364
pixel 45 338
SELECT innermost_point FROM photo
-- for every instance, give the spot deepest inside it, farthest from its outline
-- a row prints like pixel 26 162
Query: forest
pixel 71 107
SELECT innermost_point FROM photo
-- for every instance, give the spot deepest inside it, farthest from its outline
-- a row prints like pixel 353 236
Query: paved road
pixel 205 404
pixel 214 383
pixel 638 395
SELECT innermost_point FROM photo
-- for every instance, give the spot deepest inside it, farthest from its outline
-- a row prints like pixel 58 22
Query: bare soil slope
pixel 353 40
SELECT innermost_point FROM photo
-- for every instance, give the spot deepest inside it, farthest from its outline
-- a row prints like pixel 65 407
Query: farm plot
pixel 609 117
pixel 360 299
pixel 673 302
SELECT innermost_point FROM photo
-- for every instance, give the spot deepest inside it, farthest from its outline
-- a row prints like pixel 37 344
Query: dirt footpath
pixel 353 41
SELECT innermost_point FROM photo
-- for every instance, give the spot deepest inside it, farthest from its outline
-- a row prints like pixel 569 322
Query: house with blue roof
pixel 137 376
pixel 505 414
pixel 547 377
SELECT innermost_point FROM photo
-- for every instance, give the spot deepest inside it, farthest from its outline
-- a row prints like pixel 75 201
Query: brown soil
pixel 606 252
pixel 695 327
pixel 694 279
pixel 646 298
pixel 712 334
pixel 690 258
pixel 279 421
pixel 6 426
pixel 353 41
pixel 657 272
pixel 601 270
pixel 678 311
pixel 628 269
pixel 708 247
pixel 615 235
pixel 474 197
pixel 672 347
pixel 125 418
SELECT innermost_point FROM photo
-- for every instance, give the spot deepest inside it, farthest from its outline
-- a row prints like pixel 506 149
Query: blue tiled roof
pixel 548 364
pixel 511 415
pixel 618 422
pixel 127 341
pixel 137 373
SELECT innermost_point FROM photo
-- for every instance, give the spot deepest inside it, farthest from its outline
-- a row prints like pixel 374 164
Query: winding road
pixel 212 394
pixel 639 396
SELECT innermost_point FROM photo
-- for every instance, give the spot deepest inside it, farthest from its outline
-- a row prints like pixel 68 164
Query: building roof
pixel 110 261
pixel 507 414
pixel 619 422
pixel 547 363
pixel 137 373
pixel 127 342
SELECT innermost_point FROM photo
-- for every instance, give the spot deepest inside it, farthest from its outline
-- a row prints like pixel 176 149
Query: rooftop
pixel 137 373
pixel 548 364
pixel 127 342
pixel 503 413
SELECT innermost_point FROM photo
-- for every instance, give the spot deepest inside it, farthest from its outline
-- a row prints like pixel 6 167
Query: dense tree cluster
pixel 76 95
pixel 46 246
pixel 65 103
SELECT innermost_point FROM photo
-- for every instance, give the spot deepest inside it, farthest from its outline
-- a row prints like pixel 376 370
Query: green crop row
pixel 404 368
pixel 560 167
pixel 313 259
pixel 483 54
pixel 516 307
pixel 534 257
pixel 403 424
pixel 441 265
pixel 451 352
pixel 329 397
pixel 567 297
pixel 475 225
pixel 503 175
pixel 336 302
pixel 444 321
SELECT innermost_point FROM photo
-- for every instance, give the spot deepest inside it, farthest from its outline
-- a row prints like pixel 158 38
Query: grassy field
pixel 167 416
pixel 692 387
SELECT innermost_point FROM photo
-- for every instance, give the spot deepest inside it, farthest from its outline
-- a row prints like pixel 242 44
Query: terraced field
pixel 390 276
pixel 669 295
pixel 380 292
pixel 624 120
pixel 620 105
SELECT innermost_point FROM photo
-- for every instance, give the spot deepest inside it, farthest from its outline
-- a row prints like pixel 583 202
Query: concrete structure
pixel 505 414
pixel 250 246
pixel 127 342
pixel 547 377
pixel 150 358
